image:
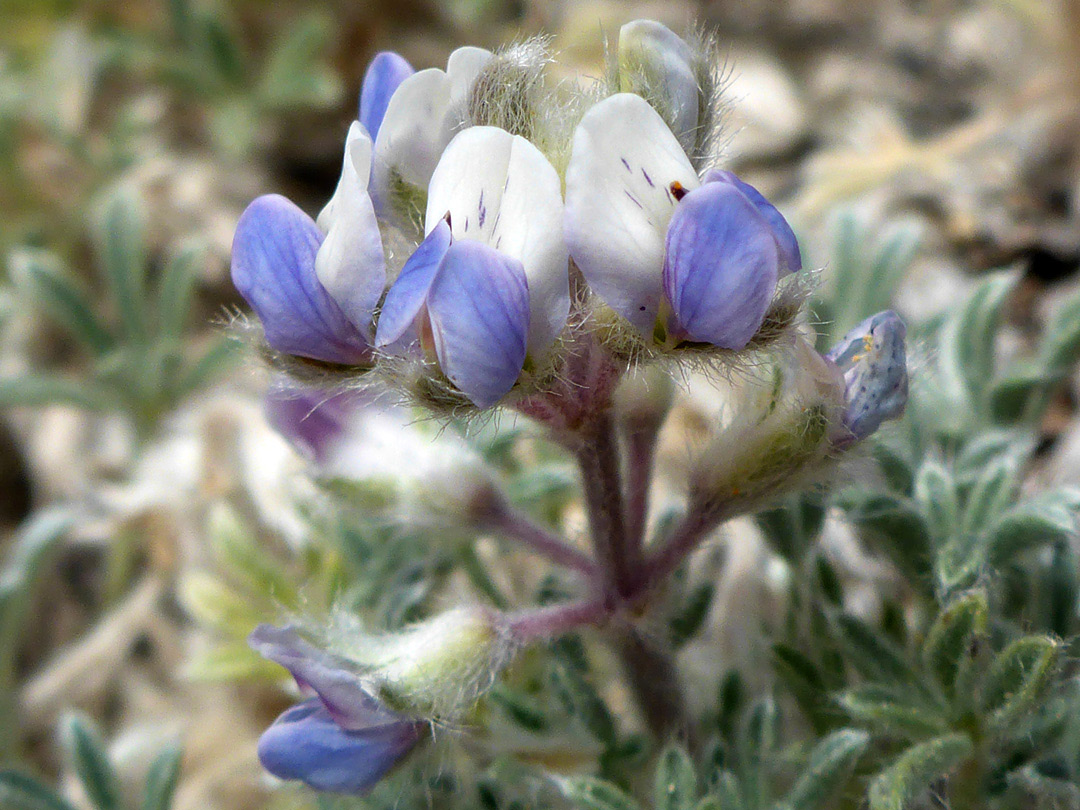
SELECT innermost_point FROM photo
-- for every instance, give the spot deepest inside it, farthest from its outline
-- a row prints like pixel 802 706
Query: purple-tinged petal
pixel 479 310
pixel 873 358
pixel 329 676
pixel 409 293
pixel 312 420
pixel 720 267
pixel 305 743
pixel 790 255
pixel 385 72
pixel 273 267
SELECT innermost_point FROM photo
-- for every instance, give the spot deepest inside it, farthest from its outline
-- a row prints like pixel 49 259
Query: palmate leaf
pixel 891 712
pixel 914 771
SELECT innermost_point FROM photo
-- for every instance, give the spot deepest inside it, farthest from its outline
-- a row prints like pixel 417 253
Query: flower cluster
pixel 485 293
pixel 500 242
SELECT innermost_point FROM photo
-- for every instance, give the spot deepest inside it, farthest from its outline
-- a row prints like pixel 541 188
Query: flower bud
pixel 658 65
pixel 780 434
pixel 438 667
pixel 384 75
pixel 872 358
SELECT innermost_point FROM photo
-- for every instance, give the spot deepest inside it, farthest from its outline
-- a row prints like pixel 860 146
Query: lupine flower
pixel 488 287
pixel 343 740
pixel 422 116
pixel 274 255
pixel 698 259
pixel 873 360
pixel 383 77
pixel 313 285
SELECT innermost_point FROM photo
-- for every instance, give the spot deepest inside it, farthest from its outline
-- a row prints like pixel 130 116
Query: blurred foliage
pixel 135 336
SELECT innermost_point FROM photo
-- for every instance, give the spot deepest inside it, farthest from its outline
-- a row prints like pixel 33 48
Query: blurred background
pixel 926 142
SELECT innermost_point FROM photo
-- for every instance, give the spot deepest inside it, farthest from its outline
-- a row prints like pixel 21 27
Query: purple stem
pixel 548 622
pixel 640 454
pixel 515 525
pixel 598 456
pixel 688 535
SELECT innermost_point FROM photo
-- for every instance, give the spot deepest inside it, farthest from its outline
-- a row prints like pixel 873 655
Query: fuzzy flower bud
pixel 778 437
pixel 872 358
pixel 658 65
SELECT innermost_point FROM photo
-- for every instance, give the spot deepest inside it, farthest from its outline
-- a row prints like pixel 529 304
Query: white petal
pixel 619 201
pixel 350 263
pixel 499 189
pixel 423 115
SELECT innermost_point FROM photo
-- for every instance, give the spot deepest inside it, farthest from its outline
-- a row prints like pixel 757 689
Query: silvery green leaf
pixel 725 795
pixel 161 779
pixel 521 710
pixel 935 492
pixel 991 493
pixel 688 619
pixel 892 712
pixel 872 654
pixel 898 527
pixel 1018 680
pixel 215 360
pixel 596 794
pixel 966 359
pixel 1061 341
pixel 39 276
pixel 21 792
pixel 960 562
pixel 176 288
pixel 1027 526
pixel 758 740
pixel 87 752
pixel 949 639
pixel 916 769
pixel 675 781
pixel 806 684
pixel 985 449
pixel 1012 395
pixel 121 235
pixel 584 702
pixel 829 765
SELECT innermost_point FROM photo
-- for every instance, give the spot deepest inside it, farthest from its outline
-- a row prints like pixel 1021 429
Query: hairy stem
pixel 640 453
pixel 515 525
pixel 688 535
pixel 598 456
pixel 547 622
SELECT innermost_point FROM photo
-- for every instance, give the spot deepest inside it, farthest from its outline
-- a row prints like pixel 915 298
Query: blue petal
pixel 386 71
pixel 306 744
pixel 273 267
pixel 720 266
pixel 332 678
pixel 479 309
pixel 408 294
pixel 790 255
pixel 873 358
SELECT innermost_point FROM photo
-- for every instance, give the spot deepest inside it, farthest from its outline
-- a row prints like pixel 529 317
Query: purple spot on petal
pixel 627 165
pixel 633 199
pixel 647 178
